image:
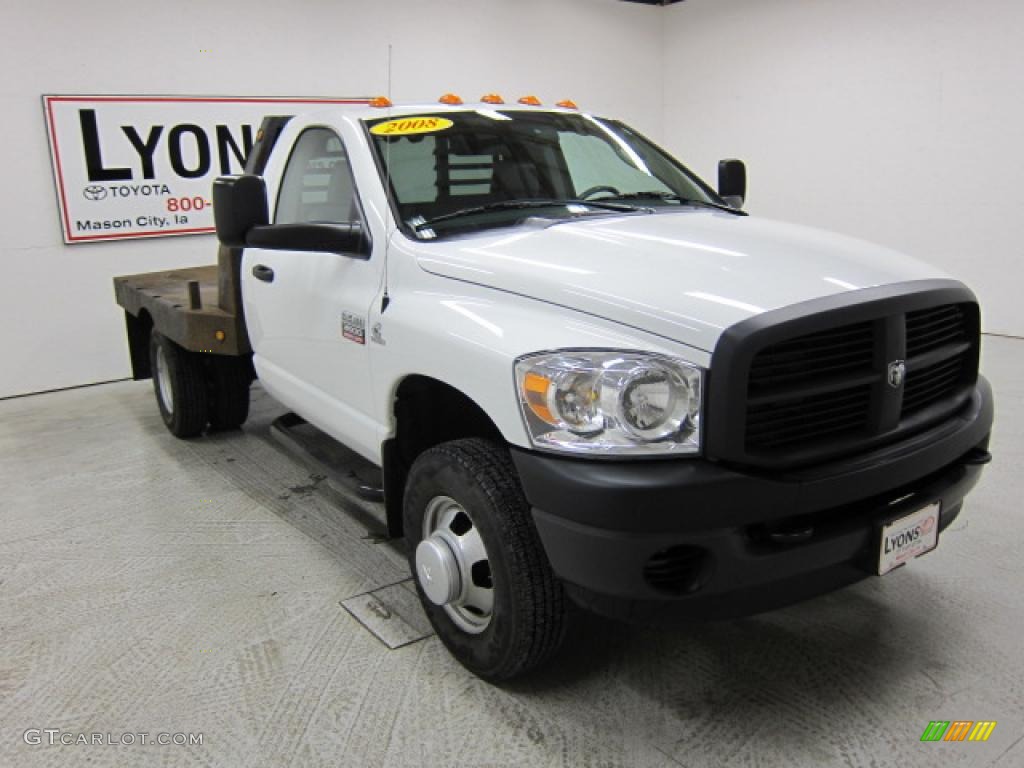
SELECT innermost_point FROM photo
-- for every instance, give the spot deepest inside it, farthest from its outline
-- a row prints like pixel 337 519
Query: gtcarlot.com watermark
pixel 56 737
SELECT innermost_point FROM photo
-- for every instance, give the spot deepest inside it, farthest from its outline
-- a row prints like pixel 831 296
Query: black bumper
pixel 657 540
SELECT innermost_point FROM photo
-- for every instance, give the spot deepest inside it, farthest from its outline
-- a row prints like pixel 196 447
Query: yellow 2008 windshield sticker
pixel 404 126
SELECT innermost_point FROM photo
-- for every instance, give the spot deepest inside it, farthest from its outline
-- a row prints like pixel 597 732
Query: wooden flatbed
pixel 198 308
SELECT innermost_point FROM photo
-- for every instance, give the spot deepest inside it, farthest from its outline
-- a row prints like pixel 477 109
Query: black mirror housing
pixel 732 182
pixel 348 239
pixel 239 204
pixel 242 220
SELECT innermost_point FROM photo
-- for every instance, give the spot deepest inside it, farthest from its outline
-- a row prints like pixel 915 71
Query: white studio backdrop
pixel 60 325
pixel 894 120
pixel 897 121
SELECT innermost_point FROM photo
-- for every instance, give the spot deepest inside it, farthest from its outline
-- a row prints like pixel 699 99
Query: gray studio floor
pixel 153 585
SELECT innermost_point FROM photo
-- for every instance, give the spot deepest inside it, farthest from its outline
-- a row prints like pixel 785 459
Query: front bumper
pixel 651 541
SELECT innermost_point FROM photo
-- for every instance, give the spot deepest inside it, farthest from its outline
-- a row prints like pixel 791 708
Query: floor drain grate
pixel 393 614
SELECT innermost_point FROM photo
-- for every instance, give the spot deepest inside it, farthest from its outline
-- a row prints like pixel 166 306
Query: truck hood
pixel 684 274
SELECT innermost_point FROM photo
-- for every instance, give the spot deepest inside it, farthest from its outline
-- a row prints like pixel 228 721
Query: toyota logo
pixel 94 192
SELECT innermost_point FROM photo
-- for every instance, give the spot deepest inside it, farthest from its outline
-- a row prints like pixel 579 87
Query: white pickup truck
pixel 585 374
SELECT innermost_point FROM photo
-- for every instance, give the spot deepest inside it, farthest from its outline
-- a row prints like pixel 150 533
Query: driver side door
pixel 307 311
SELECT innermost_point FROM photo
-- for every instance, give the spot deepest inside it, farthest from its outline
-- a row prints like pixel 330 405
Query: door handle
pixel 261 272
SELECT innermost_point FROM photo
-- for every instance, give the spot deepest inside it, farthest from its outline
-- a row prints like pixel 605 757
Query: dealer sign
pixel 143 166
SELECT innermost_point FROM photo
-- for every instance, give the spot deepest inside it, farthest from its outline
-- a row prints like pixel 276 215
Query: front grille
pixel 929 329
pixel 838 389
pixel 814 357
pixel 932 384
pixel 939 332
pixel 782 421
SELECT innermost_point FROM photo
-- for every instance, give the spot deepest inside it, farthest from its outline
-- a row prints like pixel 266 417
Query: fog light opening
pixel 679 570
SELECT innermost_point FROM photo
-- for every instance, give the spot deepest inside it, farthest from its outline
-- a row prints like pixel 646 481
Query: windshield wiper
pixel 531 203
pixel 655 195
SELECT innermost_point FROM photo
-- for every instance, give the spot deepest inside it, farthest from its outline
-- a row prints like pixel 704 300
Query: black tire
pixel 185 412
pixel 530 613
pixel 230 379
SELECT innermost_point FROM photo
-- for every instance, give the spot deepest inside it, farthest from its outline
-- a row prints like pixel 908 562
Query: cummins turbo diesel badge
pixel 408 125
pixel 353 327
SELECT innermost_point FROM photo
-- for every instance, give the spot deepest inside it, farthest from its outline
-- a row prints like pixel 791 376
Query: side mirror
pixel 732 182
pixel 239 204
pixel 348 239
pixel 242 219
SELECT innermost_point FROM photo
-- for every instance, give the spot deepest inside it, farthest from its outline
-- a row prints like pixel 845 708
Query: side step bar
pixel 346 473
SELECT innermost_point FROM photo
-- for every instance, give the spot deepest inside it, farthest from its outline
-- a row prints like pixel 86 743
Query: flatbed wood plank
pixel 165 297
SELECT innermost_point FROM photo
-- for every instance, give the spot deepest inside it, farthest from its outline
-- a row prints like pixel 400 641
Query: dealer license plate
pixel 908 537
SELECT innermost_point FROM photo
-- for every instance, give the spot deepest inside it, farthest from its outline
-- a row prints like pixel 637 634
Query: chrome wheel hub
pixel 437 570
pixel 163 380
pixel 452 566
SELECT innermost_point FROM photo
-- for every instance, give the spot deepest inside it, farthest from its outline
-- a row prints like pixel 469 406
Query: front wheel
pixel 481 572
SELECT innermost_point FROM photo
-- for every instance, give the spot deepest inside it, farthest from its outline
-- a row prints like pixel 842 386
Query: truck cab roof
pixel 366 112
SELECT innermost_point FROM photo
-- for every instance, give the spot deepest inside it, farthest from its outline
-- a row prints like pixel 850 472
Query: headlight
pixel 609 402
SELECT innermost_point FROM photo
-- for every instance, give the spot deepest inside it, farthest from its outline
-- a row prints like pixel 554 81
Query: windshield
pixel 459 171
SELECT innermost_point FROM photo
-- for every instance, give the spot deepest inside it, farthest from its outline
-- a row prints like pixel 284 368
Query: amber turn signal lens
pixel 537 387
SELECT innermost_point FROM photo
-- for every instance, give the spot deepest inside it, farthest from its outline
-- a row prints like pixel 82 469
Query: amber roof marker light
pixel 380 101
pixel 567 104
pixel 491 98
pixel 530 101
pixel 451 99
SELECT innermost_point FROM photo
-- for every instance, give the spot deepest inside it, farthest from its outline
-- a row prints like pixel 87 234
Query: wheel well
pixel 138 329
pixel 428 412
